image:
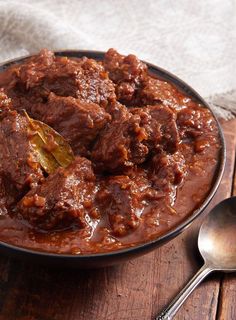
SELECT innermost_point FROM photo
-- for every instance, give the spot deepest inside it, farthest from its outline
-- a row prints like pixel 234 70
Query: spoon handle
pixel 170 311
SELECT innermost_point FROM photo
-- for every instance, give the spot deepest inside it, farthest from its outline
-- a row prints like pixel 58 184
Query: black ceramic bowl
pixel 110 258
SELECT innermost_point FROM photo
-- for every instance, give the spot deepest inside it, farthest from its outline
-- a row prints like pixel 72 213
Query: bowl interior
pixel 125 254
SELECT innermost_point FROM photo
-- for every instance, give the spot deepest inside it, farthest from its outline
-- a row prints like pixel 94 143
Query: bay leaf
pixel 52 149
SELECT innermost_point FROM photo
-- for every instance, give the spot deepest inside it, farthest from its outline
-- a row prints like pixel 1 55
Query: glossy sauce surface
pixel 145 154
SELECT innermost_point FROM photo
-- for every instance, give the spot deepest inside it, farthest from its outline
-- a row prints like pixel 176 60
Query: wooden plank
pixel 227 298
pixel 136 290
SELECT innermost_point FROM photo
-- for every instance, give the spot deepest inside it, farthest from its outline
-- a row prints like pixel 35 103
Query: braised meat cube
pixel 134 85
pixel 154 120
pixel 124 198
pixel 33 72
pixel 18 160
pixel 83 78
pixel 166 172
pixel 153 91
pixel 134 135
pixel 93 83
pixel 78 122
pixel 126 73
pixel 123 68
pixel 119 198
pixel 65 197
pixel 117 111
pixel 27 87
pixel 120 144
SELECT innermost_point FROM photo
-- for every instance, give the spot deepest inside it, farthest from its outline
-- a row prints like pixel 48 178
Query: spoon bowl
pixel 217 236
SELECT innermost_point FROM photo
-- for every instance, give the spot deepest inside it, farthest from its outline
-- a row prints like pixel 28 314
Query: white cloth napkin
pixel 196 40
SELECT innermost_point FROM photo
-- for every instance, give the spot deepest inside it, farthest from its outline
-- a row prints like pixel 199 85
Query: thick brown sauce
pixel 200 147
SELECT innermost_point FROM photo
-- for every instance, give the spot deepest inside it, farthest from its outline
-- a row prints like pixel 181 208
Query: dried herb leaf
pixel 52 149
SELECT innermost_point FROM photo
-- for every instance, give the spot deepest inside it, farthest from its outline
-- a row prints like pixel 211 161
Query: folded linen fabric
pixel 193 39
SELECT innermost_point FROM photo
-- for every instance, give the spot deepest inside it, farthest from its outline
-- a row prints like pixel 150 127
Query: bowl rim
pixel 173 232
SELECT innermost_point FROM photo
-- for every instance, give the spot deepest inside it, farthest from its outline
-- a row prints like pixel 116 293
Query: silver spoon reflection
pixel 217 245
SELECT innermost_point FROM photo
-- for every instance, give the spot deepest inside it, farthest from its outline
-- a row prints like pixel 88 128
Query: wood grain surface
pixel 136 290
pixel 227 295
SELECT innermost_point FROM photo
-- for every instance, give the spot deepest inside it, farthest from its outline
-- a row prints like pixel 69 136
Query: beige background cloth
pixel 196 40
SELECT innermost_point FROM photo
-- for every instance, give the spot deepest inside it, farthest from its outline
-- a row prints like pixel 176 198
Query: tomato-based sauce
pixel 144 154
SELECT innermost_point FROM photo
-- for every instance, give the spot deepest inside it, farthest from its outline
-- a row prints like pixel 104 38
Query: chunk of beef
pixel 134 85
pixel 83 78
pixel 117 111
pixel 78 122
pixel 119 198
pixel 166 172
pixel 124 198
pixel 159 122
pixel 18 160
pixel 93 83
pixel 123 68
pixel 131 136
pixel 33 72
pixel 126 73
pixel 65 197
pixel 120 144
pixel 153 91
pixel 9 194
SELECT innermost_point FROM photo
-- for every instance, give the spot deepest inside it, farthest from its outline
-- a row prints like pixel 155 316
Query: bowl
pixel 119 256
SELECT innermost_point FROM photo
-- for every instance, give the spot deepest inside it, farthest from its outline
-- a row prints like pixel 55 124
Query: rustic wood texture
pixel 136 290
pixel 227 297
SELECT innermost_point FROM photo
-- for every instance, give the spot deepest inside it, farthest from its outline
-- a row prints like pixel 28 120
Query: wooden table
pixel 137 290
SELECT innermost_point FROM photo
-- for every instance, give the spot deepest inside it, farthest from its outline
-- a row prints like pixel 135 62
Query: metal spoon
pixel 217 245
